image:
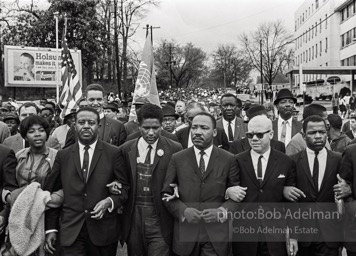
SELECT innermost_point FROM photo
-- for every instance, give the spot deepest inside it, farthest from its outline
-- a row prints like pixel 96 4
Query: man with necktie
pixel 317 171
pixel 147 225
pixel 263 174
pixel 89 224
pixel 285 127
pixel 203 173
pixel 231 121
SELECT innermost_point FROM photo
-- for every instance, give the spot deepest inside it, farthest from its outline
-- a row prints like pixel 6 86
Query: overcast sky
pixel 208 23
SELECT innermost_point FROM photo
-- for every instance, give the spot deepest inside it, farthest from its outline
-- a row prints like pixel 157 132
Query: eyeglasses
pixel 259 135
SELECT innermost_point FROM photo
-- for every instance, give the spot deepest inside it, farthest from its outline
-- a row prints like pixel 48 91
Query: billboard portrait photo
pixel 35 67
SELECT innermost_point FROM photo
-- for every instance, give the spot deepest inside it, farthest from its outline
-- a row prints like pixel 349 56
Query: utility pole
pixel 118 73
pixel 170 63
pixel 261 73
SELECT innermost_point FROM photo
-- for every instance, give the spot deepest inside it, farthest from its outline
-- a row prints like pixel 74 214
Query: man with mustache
pixel 89 224
pixel 203 173
pixel 285 127
pixel 233 125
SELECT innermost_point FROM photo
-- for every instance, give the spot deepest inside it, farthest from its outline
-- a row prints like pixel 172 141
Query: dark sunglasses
pixel 258 134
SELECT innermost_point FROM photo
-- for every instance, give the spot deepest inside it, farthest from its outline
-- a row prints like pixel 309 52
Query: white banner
pixel 36 67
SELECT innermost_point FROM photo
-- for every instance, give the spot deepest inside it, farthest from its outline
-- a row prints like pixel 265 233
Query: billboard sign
pixel 36 67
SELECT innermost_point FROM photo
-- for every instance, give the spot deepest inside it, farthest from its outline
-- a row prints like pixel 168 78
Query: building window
pixel 342 41
pixel 316 28
pixel 316 4
pixel 321 47
pixel 309 54
pixel 303 56
pixel 320 25
pixel 312 52
pixel 326 44
pixel 312 31
pixel 316 51
pixel 326 21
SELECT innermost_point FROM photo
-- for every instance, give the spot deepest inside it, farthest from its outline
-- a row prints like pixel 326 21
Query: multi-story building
pixel 325 36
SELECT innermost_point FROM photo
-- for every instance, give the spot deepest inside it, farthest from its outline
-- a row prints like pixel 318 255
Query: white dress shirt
pixel 90 151
pixel 226 127
pixel 190 142
pixel 206 156
pixel 264 161
pixel 288 130
pixel 142 146
pixel 322 157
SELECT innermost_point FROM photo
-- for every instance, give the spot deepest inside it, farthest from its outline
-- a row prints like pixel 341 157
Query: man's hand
pixel 168 197
pixel 211 215
pixel 236 193
pixel 293 247
pixel 192 215
pixel 114 187
pixel 341 189
pixel 2 224
pixel 292 193
pixel 50 242
pixel 100 208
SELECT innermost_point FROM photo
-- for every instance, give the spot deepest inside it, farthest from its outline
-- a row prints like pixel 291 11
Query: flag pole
pixel 56 16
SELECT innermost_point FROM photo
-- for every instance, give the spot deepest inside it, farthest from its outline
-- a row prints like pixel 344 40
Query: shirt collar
pixel 226 123
pixel 92 146
pixel 206 151
pixel 27 151
pixel 144 145
pixel 280 120
pixel 312 153
pixel 265 155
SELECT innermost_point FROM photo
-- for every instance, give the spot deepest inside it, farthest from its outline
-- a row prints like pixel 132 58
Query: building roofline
pixel 344 70
pixel 343 5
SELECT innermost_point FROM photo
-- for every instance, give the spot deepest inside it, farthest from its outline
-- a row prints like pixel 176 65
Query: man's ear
pixel 215 132
pixel 303 134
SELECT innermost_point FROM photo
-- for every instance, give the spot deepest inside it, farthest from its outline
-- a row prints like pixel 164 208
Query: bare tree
pixel 275 40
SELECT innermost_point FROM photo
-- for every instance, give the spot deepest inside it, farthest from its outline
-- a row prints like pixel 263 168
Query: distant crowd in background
pixel 99 174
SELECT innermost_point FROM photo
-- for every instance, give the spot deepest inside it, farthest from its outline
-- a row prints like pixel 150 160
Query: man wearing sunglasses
pixel 263 174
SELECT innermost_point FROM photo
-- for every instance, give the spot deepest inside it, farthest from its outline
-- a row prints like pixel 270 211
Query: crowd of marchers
pixel 183 178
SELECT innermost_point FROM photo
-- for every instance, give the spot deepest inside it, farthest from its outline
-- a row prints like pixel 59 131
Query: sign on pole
pixel 35 67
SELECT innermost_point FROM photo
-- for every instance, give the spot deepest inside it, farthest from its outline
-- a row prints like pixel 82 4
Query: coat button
pixel 86 211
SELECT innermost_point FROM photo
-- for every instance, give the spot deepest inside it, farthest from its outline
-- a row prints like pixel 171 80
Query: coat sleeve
pixel 233 180
pixel 347 168
pixel 176 207
pixel 9 171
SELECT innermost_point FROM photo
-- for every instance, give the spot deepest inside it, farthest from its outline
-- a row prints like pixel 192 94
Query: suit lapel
pixel 192 161
pixel 213 159
pixel 330 162
pixel 185 136
pixel 305 166
pixel 76 160
pixel 270 168
pixel 249 168
pixel 161 147
pixel 133 164
pixel 106 127
pixel 275 129
pixel 96 156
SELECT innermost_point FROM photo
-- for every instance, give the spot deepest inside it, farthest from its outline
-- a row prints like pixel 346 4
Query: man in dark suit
pixel 147 225
pixel 348 172
pixel 16 142
pixel 110 130
pixel 243 144
pixel 164 133
pixel 285 127
pixel 8 164
pixel 263 174
pixel 316 175
pixel 203 173
pixel 184 134
pixel 89 224
pixel 231 122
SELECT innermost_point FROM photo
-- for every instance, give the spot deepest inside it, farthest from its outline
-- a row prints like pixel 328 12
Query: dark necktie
pixel 85 166
pixel 259 169
pixel 229 129
pixel 316 171
pixel 148 156
pixel 202 163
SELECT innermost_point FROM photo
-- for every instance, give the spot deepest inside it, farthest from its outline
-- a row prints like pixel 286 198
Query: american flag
pixel 71 88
